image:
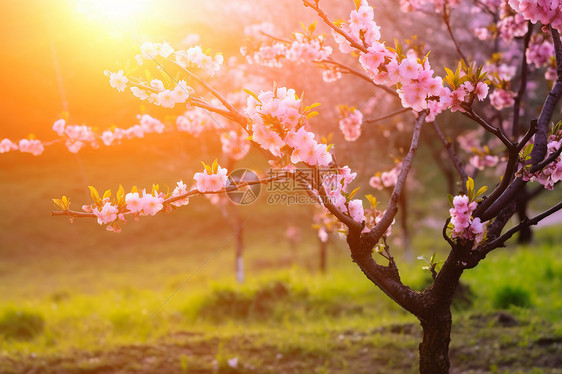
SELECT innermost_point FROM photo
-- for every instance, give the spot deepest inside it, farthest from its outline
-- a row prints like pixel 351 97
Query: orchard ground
pixel 161 296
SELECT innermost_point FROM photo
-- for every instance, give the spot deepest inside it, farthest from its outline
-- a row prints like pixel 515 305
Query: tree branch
pixel 233 187
pixel 361 75
pixel 327 21
pixel 377 232
pixel 233 111
pixel 470 113
pixel 387 116
pixel 523 83
pixel 500 241
pixel 541 137
pixel 446 19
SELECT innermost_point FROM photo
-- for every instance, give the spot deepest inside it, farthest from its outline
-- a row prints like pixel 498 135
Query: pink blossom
pixel 213 182
pixel 58 126
pixel 501 98
pixel 356 210
pixel 118 81
pixel 6 145
pixel 107 214
pixel 33 146
pixel 351 125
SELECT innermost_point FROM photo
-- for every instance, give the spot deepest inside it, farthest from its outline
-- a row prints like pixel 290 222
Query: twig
pixel 523 84
pixel 390 115
pixel 446 19
pixel 360 75
pixel 380 228
pixel 233 187
pixel 470 113
pixel 452 155
pixel 327 21
pixel 528 135
pixel 233 111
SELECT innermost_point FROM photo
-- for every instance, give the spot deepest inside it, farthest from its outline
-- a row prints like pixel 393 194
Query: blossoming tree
pixel 278 123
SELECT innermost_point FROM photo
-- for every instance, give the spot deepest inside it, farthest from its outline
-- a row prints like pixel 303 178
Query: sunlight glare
pixel 119 12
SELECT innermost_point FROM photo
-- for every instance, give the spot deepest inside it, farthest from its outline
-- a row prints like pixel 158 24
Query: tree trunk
pixel 239 252
pixel 434 348
pixel 323 256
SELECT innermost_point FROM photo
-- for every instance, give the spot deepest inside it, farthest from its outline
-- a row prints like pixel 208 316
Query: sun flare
pixel 122 12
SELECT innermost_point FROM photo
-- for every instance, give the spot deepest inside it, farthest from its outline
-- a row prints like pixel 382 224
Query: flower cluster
pixel 304 47
pixel 416 86
pixel 501 98
pixel 280 126
pixel 464 225
pixel 336 186
pixel 551 173
pixel 266 55
pixel 543 11
pixel 483 161
pixel 144 204
pixel 195 57
pixel 153 91
pixel 111 212
pixel 350 124
pixel 33 146
pixel 386 178
pixel 467 92
pixel 331 74
pixel 511 26
pixel 193 121
pixel 78 136
pixel 307 48
pixel 192 58
pixel 212 179
pixel 361 27
pixel 539 52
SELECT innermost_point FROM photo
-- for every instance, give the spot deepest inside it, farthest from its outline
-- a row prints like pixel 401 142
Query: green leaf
pixel 353 193
pixel 208 168
pixel 251 93
pixel 372 200
pixel 481 191
pixel 451 197
pixel 95 195
pixel 312 106
pixel 528 149
pixel 58 202
pixel 312 27
pixel 470 188
pixel 120 195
